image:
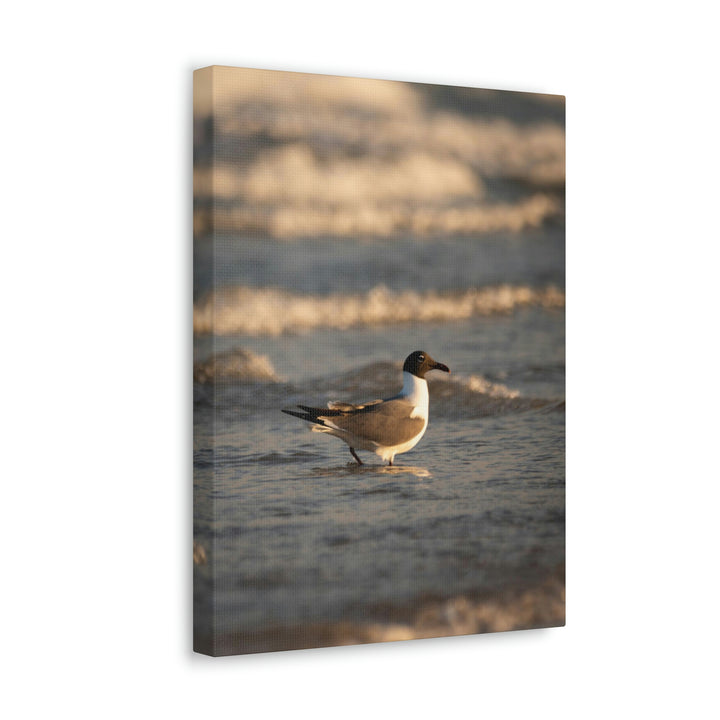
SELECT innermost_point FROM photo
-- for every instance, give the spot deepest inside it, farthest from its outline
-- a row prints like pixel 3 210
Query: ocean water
pixel 309 548
pixel 340 225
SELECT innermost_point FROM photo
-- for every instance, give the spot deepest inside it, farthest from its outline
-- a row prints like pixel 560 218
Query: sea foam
pixel 288 156
pixel 235 365
pixel 270 311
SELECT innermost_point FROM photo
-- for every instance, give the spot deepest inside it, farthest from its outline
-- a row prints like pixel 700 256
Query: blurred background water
pixel 339 225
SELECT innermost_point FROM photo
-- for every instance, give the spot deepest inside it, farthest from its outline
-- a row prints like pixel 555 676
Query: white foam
pixel 237 364
pixel 479 384
pixel 269 311
pixel 308 155
pixel 372 217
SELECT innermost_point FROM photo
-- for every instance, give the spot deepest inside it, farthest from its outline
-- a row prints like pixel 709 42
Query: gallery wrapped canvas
pixel 379 360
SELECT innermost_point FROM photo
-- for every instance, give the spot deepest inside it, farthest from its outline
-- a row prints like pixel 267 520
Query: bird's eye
pixel 421 358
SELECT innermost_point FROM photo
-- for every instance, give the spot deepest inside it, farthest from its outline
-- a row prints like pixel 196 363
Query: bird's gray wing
pixel 386 423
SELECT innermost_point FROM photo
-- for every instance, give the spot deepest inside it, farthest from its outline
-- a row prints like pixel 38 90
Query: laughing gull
pixel 385 427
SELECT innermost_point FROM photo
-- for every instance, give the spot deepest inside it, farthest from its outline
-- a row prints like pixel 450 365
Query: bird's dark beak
pixel 440 366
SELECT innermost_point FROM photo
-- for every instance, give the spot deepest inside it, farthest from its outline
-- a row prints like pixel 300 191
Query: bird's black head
pixel 419 362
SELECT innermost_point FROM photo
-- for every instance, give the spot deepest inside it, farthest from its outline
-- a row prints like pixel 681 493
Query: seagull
pixel 385 427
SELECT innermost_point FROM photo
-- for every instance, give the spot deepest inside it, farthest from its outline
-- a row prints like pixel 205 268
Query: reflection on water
pixel 370 469
pixel 419 472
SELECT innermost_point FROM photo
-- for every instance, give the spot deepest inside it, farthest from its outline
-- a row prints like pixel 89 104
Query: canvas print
pixel 379 360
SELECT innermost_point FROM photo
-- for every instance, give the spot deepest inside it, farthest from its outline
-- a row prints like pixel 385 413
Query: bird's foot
pixel 354 454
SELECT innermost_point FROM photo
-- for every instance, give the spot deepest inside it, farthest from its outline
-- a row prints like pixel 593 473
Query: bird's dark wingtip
pixel 306 415
pixel 295 413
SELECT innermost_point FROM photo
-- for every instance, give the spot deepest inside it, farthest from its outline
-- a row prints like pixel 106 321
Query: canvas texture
pixel 379 360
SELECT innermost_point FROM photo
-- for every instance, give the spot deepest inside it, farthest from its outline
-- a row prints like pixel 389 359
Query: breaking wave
pixel 380 379
pixel 238 364
pixel 456 395
pixel 475 384
pixel 375 218
pixel 514 608
pixel 290 155
pixel 270 311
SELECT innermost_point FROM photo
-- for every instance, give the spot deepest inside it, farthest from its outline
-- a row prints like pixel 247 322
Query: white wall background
pixel 95 293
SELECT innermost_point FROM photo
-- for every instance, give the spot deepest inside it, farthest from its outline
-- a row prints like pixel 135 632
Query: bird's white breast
pixel 415 390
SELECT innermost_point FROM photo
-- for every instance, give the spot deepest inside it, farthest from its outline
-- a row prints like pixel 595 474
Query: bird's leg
pixel 390 462
pixel 354 454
